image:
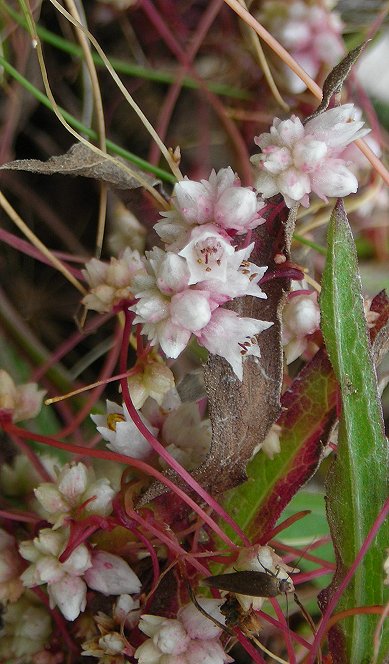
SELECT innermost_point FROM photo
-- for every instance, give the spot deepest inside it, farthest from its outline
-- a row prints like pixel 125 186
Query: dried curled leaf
pixel 81 160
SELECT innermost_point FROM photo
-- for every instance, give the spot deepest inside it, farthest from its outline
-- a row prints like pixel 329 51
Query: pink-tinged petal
pixel 199 626
pixel 334 179
pixel 276 160
pixel 236 208
pixel 232 337
pixel 72 482
pixel 151 308
pixel 111 575
pixel 207 652
pixel 290 131
pixel 308 153
pixel 69 595
pixel 294 184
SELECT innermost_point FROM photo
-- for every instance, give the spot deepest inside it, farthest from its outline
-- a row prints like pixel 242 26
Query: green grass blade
pixel 357 484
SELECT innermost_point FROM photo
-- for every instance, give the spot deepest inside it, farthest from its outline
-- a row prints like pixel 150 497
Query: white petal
pixel 69 595
pixel 73 481
pixel 172 338
pixel 79 561
pixel 334 179
pixel 191 310
pixel 199 626
pixel 148 653
pixel 111 575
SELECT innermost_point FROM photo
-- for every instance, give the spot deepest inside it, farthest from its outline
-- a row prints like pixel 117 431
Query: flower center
pixel 113 419
pixel 209 252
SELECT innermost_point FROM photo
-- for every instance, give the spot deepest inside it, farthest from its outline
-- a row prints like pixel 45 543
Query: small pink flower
pixel 219 200
pixel 297 160
pixel 310 33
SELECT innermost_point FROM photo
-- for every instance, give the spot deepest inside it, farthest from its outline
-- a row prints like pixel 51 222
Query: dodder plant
pixel 114 514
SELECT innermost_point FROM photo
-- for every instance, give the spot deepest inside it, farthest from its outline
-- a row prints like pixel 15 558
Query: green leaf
pixel 357 481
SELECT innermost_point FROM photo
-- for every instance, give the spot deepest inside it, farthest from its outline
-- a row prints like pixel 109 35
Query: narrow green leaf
pixel 357 482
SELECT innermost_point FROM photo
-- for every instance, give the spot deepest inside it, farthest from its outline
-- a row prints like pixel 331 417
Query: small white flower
pixel 153 380
pixel 310 33
pixel 297 160
pixel 206 254
pixel 111 575
pixel 76 485
pixel 111 283
pixel 232 337
pixel 301 318
pixel 19 402
pixel 191 638
pixel 122 434
pixel 66 588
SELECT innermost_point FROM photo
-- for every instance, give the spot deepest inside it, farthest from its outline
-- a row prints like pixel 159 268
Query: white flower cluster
pixel 191 638
pixel 311 34
pixel 76 493
pixel 297 160
pixel 201 269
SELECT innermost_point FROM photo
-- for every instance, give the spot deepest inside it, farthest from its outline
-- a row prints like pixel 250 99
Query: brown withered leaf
pixel 80 160
pixel 242 412
pixel 336 78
